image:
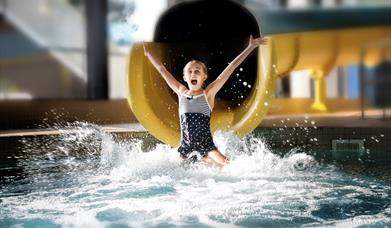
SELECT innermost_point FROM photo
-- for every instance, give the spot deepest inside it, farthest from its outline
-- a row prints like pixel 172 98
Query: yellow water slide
pixel 156 107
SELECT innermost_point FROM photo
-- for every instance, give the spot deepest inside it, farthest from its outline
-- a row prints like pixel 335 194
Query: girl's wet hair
pixel 203 66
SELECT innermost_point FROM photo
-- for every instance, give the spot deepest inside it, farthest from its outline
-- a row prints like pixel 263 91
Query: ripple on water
pixel 117 184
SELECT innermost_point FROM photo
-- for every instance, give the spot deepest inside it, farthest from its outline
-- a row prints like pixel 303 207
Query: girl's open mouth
pixel 194 82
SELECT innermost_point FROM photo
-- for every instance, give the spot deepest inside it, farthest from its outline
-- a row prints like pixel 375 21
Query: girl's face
pixel 194 76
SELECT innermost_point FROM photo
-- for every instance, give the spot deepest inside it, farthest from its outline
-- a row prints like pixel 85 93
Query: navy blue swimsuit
pixel 194 112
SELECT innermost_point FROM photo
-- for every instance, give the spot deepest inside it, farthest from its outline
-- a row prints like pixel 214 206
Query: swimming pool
pixel 88 178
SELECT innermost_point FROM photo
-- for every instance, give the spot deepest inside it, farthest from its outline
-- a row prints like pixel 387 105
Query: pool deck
pixel 283 133
pixel 373 119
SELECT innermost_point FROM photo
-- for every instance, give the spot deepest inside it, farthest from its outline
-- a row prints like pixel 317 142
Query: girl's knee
pixel 218 157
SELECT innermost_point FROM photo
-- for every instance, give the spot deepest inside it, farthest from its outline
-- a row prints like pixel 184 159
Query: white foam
pixel 138 188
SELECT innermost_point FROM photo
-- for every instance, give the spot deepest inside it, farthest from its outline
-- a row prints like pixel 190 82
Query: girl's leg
pixel 215 158
pixel 211 162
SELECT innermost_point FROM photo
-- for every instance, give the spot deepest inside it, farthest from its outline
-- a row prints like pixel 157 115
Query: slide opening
pixel 214 32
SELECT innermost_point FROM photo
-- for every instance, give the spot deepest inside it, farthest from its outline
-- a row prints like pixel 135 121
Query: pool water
pixel 87 178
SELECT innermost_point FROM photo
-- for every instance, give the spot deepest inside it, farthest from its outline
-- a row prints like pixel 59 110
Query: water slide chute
pixel 294 45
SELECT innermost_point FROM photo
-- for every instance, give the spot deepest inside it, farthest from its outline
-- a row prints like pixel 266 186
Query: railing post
pixel 97 73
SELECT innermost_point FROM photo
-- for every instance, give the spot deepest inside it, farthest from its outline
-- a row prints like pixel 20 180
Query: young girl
pixel 196 103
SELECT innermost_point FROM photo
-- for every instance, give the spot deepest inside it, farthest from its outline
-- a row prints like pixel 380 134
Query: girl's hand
pixel 257 41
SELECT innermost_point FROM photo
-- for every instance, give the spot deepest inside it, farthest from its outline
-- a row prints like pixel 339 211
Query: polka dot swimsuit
pixel 194 112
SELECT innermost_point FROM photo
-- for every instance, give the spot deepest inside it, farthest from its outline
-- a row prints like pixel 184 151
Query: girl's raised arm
pixel 167 76
pixel 217 84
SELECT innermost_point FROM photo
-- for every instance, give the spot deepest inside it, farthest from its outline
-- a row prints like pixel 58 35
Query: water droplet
pixel 249 86
pixel 244 83
pixel 266 104
pixel 241 69
pixel 313 122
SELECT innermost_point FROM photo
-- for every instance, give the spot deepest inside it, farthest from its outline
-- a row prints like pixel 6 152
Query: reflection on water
pixel 85 178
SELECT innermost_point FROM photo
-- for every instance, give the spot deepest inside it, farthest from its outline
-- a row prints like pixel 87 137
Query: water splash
pixel 87 177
